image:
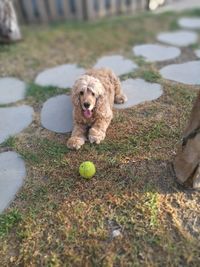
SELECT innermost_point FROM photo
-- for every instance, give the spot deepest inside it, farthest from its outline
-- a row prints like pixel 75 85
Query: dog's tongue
pixel 87 113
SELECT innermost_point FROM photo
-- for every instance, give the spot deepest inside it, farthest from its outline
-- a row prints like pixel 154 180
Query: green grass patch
pixel 52 149
pixel 153 207
pixel 150 76
pixel 8 221
pixel 41 94
pixel 10 142
pixel 30 157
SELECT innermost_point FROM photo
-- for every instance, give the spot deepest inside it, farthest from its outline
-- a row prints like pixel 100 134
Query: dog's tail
pixel 120 97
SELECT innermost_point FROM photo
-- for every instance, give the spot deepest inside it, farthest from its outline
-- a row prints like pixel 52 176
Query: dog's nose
pixel 86 105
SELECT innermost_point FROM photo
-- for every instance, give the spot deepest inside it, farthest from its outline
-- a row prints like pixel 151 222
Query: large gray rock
pixel 156 52
pixel 190 23
pixel 9 28
pixel 139 91
pixel 56 114
pixel 187 73
pixel 62 76
pixel 117 63
pixel 13 120
pixel 178 38
pixel 11 90
pixel 12 174
pixel 197 52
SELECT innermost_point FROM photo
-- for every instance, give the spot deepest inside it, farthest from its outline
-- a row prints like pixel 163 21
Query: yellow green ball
pixel 87 169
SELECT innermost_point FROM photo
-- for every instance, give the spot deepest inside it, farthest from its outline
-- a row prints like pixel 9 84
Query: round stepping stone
pixel 12 174
pixel 179 38
pixel 190 23
pixel 13 120
pixel 156 52
pixel 11 90
pixel 197 52
pixel 56 114
pixel 62 76
pixel 139 91
pixel 187 73
pixel 117 63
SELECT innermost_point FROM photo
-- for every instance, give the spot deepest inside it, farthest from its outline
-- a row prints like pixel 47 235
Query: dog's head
pixel 86 93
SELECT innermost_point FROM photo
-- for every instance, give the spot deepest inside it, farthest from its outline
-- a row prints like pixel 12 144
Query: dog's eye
pixel 93 94
pixel 81 92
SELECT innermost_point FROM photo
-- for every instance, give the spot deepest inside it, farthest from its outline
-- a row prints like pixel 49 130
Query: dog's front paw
pixel 96 136
pixel 75 142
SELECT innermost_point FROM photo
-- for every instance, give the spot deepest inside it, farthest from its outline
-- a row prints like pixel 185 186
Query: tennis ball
pixel 87 169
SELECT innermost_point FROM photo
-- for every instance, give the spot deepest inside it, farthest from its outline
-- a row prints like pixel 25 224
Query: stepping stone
pixel 117 63
pixel 187 73
pixel 179 38
pixel 156 52
pixel 13 120
pixel 11 90
pixel 139 91
pixel 197 52
pixel 62 76
pixel 56 114
pixel 12 174
pixel 190 23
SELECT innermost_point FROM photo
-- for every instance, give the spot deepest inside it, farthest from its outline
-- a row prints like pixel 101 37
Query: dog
pixel 93 96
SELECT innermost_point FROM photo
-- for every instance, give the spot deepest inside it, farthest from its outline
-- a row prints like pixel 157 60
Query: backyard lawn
pixel 60 219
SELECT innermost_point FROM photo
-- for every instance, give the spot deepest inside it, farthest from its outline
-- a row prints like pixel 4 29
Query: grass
pixel 8 221
pixel 39 94
pixel 59 219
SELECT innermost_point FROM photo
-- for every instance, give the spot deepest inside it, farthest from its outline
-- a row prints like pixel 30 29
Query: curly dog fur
pixel 93 96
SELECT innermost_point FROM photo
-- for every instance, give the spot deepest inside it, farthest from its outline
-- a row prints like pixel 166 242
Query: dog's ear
pixel 76 90
pixel 102 106
pixel 75 96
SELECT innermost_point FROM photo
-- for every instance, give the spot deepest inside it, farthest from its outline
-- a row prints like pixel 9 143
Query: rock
pixel 11 90
pixel 156 52
pixel 62 76
pixel 178 38
pixel 187 73
pixel 117 63
pixel 139 91
pixel 56 114
pixel 13 120
pixel 12 174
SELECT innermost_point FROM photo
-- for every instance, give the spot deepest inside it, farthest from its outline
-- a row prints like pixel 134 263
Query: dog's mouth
pixel 87 113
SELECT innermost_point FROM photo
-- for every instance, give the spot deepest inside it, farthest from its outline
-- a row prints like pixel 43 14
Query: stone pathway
pixel 12 174
pixel 178 38
pixel 11 90
pixel 187 73
pixel 62 76
pixel 56 113
pixel 197 53
pixel 190 23
pixel 139 91
pixel 156 52
pixel 117 63
pixel 13 120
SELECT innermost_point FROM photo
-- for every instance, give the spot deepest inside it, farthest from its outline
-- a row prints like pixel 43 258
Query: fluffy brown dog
pixel 93 96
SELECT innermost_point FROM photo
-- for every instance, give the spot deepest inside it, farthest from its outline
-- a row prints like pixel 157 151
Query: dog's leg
pixel 77 138
pixel 98 131
pixel 120 97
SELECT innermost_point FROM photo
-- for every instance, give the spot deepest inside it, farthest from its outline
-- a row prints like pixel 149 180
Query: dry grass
pixel 58 218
